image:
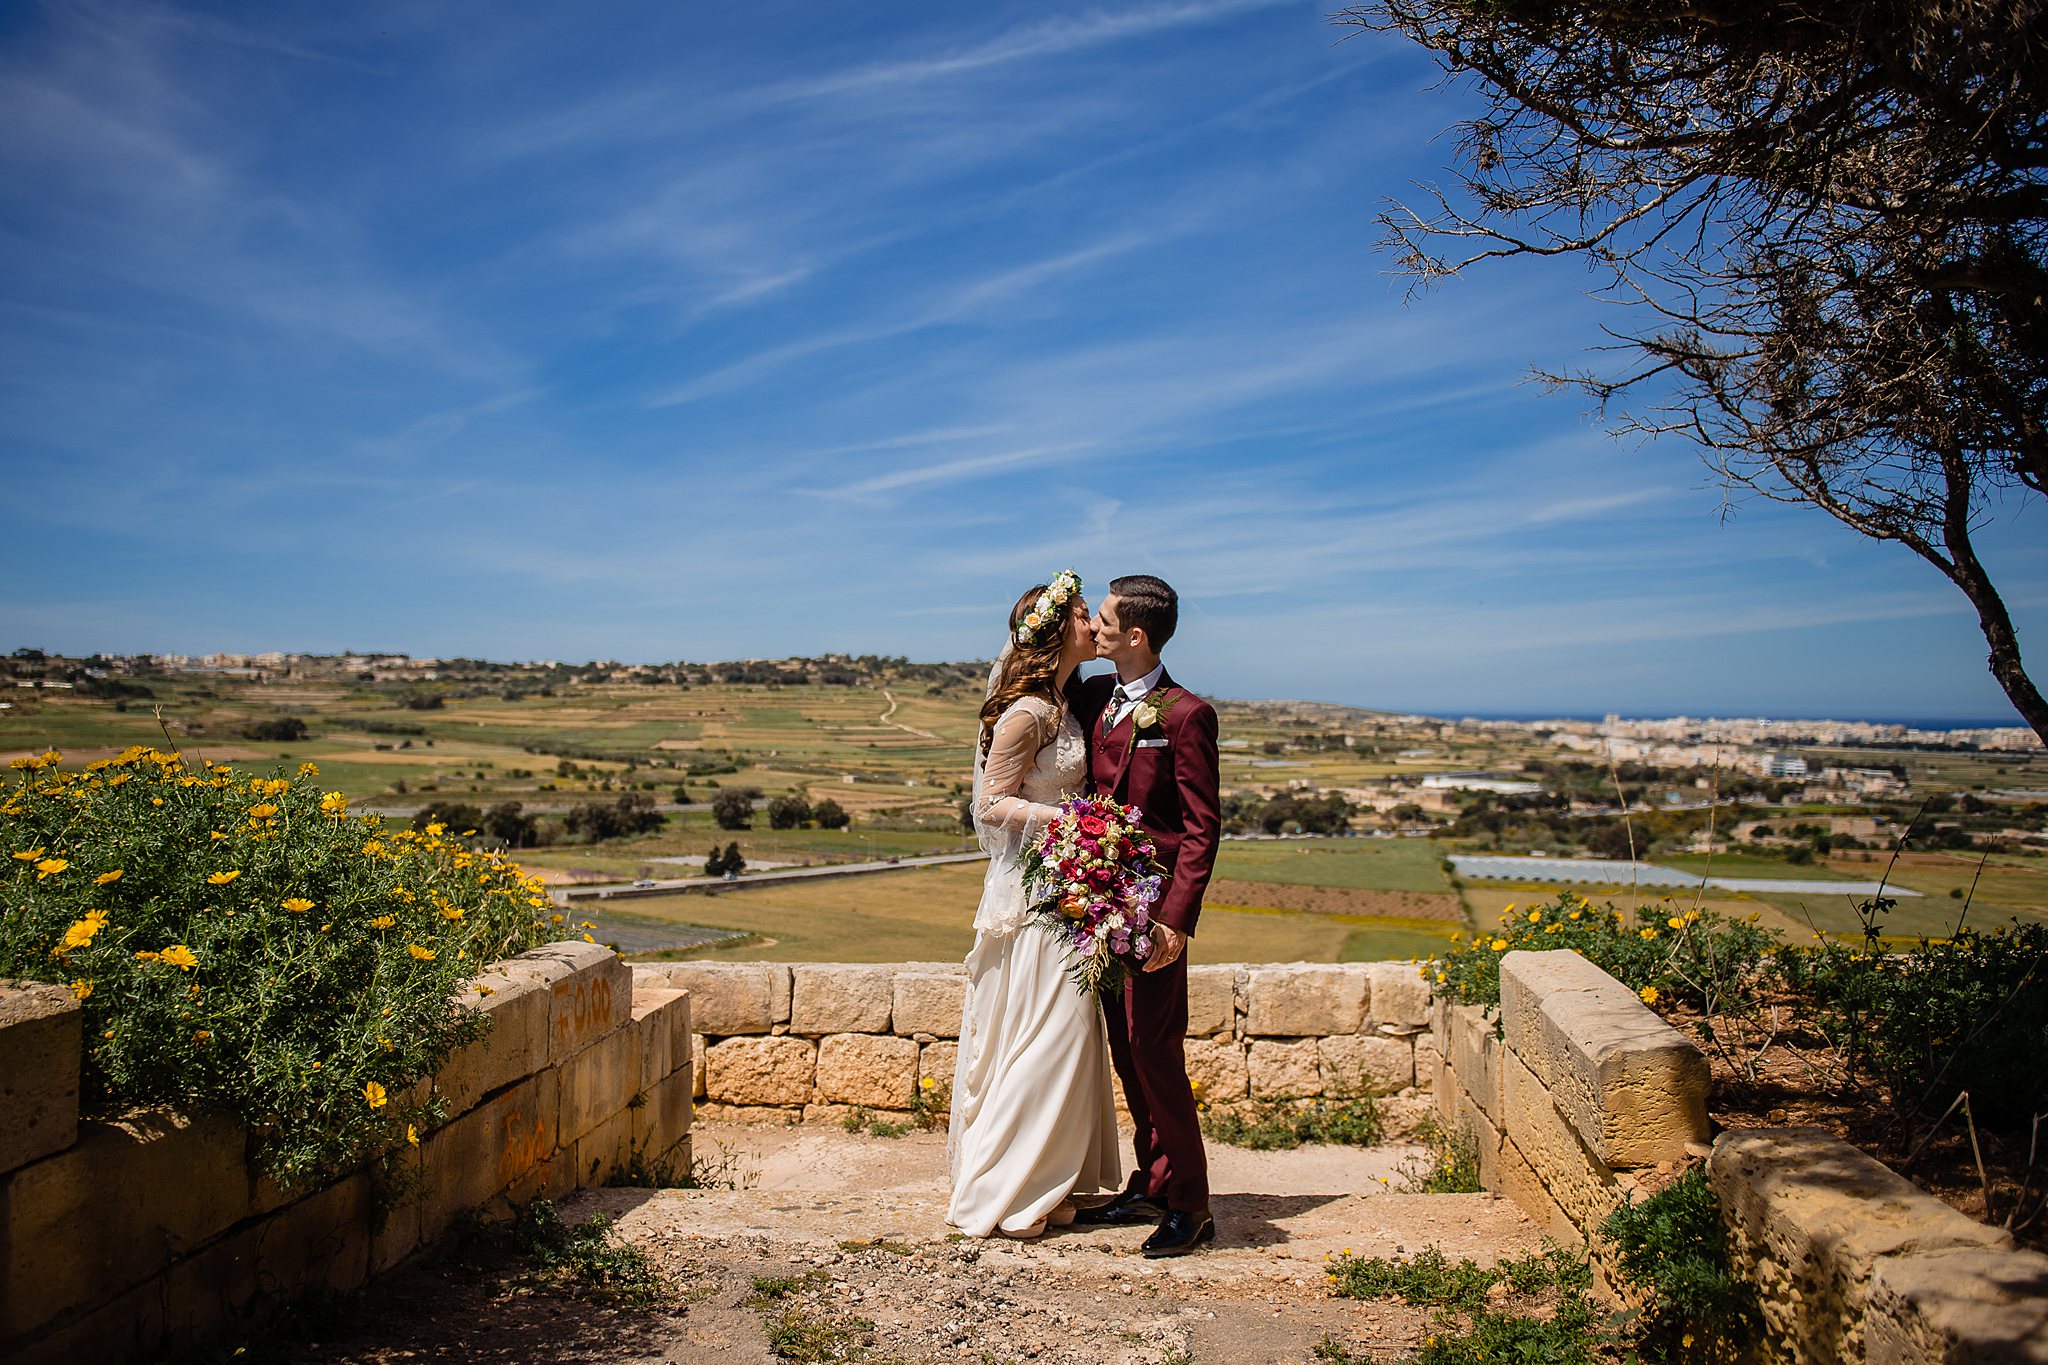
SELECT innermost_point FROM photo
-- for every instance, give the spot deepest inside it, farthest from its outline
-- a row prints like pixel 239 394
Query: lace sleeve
pixel 999 810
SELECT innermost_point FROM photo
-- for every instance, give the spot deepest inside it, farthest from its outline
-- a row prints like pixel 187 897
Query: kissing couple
pixel 1033 1129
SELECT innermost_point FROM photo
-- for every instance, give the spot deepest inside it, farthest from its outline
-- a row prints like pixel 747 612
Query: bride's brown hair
pixel 1028 670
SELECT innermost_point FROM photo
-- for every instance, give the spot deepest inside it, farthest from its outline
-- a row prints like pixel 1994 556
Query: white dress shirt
pixel 1134 692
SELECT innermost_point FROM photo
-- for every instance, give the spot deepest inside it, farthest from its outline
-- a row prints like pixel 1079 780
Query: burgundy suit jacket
pixel 1174 785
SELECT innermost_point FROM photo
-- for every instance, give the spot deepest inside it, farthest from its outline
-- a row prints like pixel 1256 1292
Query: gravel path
pixel 863 1218
pixel 846 1235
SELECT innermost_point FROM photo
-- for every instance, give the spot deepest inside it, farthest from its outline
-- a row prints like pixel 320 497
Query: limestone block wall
pixel 1580 1087
pixel 122 1238
pixel 810 1041
pixel 1854 1263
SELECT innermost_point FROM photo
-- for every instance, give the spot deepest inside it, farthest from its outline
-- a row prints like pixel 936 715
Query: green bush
pixel 244 945
pixel 1696 957
pixel 1963 1014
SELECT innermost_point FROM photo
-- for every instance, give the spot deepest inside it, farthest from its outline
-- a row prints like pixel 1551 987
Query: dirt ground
pixel 853 1226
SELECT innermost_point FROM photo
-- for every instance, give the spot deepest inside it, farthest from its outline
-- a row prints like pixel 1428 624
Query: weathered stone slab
pixel 1634 1087
pixel 1399 994
pixel 1428 1055
pixel 697 1046
pixel 1475 1051
pixel 520 1008
pixel 180 1182
pixel 605 1149
pixel 936 1061
pixel 1527 979
pixel 1949 1307
pixel 39 1052
pixel 661 1018
pixel 729 998
pixel 1811 1217
pixel 1284 1070
pixel 597 1083
pixel 590 989
pixel 503 1147
pixel 399 1236
pixel 1460 1116
pixel 838 997
pixel 1218 1070
pixel 664 1120
pixel 1301 1001
pixel 751 1072
pixel 317 1245
pixel 1519 1182
pixel 928 1002
pixel 1358 1063
pixel 875 1071
pixel 1574 1178
pixel 1212 1001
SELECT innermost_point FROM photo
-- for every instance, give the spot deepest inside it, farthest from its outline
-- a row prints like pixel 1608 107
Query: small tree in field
pixel 733 808
pixel 788 812
pixel 830 815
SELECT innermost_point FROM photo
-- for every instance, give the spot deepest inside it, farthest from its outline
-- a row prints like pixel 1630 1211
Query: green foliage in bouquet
pixel 244 945
pixel 1696 957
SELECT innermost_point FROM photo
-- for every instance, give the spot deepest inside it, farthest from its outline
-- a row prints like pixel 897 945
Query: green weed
pixel 1290 1123
pixel 617 1272
pixel 1452 1166
pixel 1674 1249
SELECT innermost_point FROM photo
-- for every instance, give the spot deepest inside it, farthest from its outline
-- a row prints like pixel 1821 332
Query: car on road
pixel 643 882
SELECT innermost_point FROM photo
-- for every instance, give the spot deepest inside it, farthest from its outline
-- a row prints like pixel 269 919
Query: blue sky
pixel 655 331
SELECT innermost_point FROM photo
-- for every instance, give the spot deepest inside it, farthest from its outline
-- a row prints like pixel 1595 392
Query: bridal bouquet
pixel 1091 879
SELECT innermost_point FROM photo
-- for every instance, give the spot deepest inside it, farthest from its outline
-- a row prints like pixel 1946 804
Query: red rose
pixel 1101 876
pixel 1094 825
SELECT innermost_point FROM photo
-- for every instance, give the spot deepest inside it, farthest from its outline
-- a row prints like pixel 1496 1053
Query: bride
pixel 1033 1116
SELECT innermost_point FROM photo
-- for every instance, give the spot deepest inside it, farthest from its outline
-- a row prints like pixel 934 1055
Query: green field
pixel 895 755
pixel 1365 864
pixel 927 915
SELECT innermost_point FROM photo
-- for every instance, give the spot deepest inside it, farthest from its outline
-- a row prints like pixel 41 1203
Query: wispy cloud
pixel 704 332
pixel 1055 37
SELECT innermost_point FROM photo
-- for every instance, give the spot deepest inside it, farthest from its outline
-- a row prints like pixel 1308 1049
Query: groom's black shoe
pixel 1127 1210
pixel 1179 1233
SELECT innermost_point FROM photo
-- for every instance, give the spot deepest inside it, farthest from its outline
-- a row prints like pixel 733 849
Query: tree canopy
pixel 1830 219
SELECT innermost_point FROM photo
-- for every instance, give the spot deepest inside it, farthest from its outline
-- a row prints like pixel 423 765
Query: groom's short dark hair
pixel 1148 604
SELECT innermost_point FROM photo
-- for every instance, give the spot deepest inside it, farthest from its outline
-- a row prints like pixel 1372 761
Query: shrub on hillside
pixel 245 945
pixel 1669 953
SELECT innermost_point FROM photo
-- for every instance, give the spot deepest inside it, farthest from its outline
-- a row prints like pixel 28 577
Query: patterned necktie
pixel 1116 704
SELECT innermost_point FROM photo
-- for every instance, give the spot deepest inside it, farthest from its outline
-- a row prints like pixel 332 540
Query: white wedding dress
pixel 1034 1119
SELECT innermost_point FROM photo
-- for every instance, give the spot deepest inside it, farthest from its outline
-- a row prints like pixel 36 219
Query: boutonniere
pixel 1157 706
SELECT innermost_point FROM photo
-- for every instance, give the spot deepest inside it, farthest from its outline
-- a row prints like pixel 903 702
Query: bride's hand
pixel 1167 945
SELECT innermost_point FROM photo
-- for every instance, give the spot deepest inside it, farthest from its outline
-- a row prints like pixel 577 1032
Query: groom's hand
pixel 1167 946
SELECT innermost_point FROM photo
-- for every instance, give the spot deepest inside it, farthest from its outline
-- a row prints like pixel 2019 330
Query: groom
pixel 1152 744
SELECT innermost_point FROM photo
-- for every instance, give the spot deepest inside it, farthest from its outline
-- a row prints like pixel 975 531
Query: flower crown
pixel 1049 606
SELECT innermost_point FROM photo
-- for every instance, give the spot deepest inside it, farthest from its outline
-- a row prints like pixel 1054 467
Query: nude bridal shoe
pixel 1062 1215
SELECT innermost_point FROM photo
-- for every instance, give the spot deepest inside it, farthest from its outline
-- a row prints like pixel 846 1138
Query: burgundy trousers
pixel 1147 1026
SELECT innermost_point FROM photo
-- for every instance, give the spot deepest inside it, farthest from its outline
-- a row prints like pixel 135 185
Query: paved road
pixel 670 886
